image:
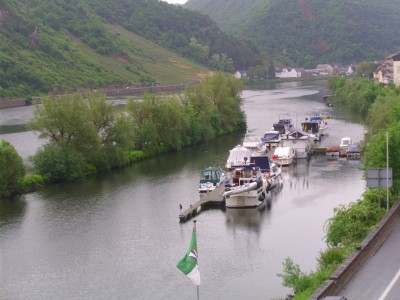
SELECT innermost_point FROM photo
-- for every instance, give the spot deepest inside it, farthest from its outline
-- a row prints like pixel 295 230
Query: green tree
pixel 11 170
pixel 365 69
pixel 58 162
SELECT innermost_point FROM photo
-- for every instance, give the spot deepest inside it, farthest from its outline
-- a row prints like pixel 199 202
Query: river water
pixel 118 236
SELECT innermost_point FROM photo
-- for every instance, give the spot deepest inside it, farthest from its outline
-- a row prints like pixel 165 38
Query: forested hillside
pixel 68 44
pixel 307 32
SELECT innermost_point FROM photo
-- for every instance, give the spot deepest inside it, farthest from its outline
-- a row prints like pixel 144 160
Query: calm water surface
pixel 118 236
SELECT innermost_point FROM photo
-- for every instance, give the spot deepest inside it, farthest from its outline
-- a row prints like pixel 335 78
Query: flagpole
pixel 197 287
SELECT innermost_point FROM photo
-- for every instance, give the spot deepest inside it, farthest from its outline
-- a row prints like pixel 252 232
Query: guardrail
pixel 368 247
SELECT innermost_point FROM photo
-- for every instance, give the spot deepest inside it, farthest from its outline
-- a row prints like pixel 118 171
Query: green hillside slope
pixel 68 44
pixel 307 32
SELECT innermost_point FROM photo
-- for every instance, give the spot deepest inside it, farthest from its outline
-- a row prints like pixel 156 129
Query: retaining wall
pixel 368 247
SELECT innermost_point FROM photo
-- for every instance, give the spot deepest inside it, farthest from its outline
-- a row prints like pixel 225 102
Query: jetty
pixel 209 199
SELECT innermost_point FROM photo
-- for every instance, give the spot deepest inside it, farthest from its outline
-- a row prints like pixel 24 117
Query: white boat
pixel 345 143
pixel 254 143
pixel 271 139
pixel 247 188
pixel 284 155
pixel 210 178
pixel 301 142
pixel 238 156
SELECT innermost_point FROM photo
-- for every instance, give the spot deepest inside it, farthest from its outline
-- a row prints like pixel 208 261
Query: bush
pixel 32 182
pixel 12 170
pixel 134 156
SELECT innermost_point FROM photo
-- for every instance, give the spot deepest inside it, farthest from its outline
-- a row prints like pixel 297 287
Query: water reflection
pixel 249 218
pixel 12 211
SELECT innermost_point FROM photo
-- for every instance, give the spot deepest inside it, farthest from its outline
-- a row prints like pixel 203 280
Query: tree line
pixel 88 135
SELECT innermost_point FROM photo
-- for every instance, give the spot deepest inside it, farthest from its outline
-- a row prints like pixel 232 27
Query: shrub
pixel 31 182
pixel 134 156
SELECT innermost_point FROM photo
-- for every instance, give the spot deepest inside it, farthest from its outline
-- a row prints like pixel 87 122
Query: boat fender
pixel 261 198
pixel 284 156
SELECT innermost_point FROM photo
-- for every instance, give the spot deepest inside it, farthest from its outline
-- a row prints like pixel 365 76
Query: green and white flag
pixel 188 264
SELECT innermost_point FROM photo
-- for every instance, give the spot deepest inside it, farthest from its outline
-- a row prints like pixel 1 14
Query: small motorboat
pixel 353 152
pixel 284 156
pixel 271 139
pixel 333 151
pixel 210 178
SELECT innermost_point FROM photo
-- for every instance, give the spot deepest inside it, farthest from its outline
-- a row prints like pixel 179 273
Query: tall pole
pixel 197 287
pixel 387 170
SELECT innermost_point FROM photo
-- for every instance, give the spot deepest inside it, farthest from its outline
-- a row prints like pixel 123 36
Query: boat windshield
pixel 209 175
pixel 271 136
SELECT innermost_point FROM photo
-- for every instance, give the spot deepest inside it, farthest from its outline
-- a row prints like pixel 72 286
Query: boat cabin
pixel 279 127
pixel 310 126
pixel 211 174
pixel 238 156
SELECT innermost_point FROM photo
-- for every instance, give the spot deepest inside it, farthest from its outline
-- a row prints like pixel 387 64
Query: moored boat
pixel 254 143
pixel 353 151
pixel 333 151
pixel 238 156
pixel 271 139
pixel 247 188
pixel 283 155
pixel 210 178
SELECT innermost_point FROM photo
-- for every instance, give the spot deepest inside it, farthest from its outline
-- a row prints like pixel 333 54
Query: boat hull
pixel 244 200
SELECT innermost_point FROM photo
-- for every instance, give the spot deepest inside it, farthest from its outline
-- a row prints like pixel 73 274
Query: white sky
pixel 176 1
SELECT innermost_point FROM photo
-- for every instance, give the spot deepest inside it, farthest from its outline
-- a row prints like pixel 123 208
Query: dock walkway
pixel 212 198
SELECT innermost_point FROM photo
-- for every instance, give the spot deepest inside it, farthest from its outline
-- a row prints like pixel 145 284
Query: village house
pixel 324 70
pixel 289 73
pixel 394 65
pixel 389 70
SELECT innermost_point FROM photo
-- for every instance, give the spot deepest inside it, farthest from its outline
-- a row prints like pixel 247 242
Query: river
pixel 118 236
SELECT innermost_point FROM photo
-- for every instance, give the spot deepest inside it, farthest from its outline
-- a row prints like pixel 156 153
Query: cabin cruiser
pixel 284 155
pixel 246 189
pixel 254 143
pixel 271 139
pixel 284 126
pixel 238 156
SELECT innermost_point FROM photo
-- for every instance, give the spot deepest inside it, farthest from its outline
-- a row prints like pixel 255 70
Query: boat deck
pixel 212 198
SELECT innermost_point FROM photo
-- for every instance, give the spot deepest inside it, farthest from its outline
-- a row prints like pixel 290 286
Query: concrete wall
pixel 368 247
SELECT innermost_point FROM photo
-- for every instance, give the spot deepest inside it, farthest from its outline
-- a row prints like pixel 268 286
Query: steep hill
pixel 67 44
pixel 307 32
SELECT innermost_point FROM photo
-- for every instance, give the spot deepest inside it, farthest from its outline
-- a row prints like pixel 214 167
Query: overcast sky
pixel 176 1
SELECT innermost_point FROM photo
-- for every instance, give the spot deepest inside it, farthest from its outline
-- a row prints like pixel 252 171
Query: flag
pixel 188 264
